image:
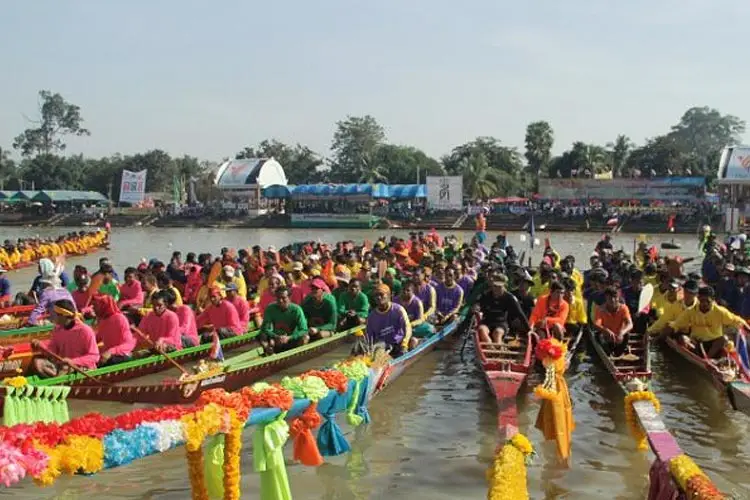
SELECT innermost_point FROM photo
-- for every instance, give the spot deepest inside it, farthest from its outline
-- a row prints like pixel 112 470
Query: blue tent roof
pixel 277 191
pixel 406 191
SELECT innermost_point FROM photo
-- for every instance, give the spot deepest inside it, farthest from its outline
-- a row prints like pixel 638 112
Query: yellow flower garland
pixel 77 454
pixel 507 476
pixel 232 446
pixel 15 381
pixel 632 420
pixel 195 470
pixel 692 480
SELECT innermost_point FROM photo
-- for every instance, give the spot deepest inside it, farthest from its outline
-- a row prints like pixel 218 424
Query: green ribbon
pixel 213 466
pixel 268 459
pixel 10 407
pixel 351 411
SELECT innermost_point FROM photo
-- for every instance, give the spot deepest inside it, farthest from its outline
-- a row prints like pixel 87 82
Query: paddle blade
pixel 213 275
pixel 96 283
pixel 646 295
pixel 382 268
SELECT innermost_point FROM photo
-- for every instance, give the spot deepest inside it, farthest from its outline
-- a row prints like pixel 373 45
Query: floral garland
pixel 507 476
pixel 636 430
pixel 89 443
pixel 15 381
pixel 692 480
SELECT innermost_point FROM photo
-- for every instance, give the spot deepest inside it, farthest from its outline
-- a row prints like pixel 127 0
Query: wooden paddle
pixel 163 353
pixel 644 301
pixel 74 367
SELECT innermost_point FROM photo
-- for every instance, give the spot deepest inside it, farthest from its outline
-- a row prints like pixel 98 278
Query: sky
pixel 208 78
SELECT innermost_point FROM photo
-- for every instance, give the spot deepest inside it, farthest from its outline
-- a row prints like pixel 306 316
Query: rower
pixel 353 306
pixel 613 323
pixel 450 298
pixel 5 294
pixel 71 339
pixel 522 292
pixel 284 325
pixel 706 324
pixel 426 292
pixel 420 328
pixel 229 274
pixel 113 331
pixel 320 310
pixel 109 283
pixel 164 282
pixel 498 310
pixel 220 316
pixel 131 292
pixel 631 296
pixel 240 304
pixel 186 316
pixel 51 292
pixel 671 307
pixel 161 325
pixel 388 322
pixel 550 312
pixel 577 310
pixel 465 281
pixel 82 297
pixel 268 296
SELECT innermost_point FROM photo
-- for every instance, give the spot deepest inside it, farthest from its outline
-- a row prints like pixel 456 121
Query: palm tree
pixel 619 152
pixel 539 141
pixel 480 180
pixel 7 167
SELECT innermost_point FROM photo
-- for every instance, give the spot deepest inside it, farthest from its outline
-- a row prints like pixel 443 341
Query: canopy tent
pixel 277 191
pixel 4 195
pixel 62 196
pixel 239 174
pixel 318 191
pixel 23 195
pixel 405 191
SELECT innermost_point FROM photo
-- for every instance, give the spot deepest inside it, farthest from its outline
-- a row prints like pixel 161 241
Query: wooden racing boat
pixel 733 380
pixel 16 310
pixel 506 367
pixel 633 367
pixel 235 373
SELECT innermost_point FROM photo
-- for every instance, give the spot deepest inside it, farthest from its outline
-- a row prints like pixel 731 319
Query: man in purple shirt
pixel 50 294
pixel 388 322
pixel 450 298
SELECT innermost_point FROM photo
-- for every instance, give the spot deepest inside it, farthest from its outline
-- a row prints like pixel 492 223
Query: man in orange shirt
pixel 550 312
pixel 613 322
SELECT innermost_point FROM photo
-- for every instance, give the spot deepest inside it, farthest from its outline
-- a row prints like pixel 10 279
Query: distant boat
pixel 670 245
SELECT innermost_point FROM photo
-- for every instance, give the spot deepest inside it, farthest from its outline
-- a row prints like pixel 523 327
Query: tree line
pixel 361 153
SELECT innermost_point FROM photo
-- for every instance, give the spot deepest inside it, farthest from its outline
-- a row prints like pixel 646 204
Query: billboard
pixel 661 188
pixel 734 167
pixel 133 186
pixel 445 192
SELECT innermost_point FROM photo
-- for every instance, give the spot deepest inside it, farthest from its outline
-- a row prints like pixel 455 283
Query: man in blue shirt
pixel 5 298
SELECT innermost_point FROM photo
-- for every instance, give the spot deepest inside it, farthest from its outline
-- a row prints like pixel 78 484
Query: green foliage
pixel 57 118
pixel 619 152
pixel 489 168
pixel 402 164
pixel 7 169
pixel 355 146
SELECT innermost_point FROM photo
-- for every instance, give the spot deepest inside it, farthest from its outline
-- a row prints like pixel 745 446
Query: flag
pixel 612 222
pixel 216 353
pixel 742 350
pixel 670 223
pixel 532 232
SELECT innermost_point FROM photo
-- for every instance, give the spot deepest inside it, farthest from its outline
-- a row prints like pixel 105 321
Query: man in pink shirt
pixel 243 308
pixel 220 317
pixel 161 325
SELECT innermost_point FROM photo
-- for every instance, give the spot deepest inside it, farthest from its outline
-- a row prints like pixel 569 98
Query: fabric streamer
pixel 305 447
pixel 213 466
pixel 555 418
pixel 268 459
pixel 331 441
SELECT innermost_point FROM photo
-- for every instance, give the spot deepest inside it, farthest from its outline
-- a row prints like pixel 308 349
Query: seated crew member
pixel 71 339
pixel 131 292
pixel 113 331
pixel 320 311
pixel 450 298
pixel 388 322
pixel 671 308
pixel 51 292
pixel 161 325
pixel 498 309
pixel 426 292
pixel 82 296
pixel 550 311
pixel 242 306
pixel 612 321
pixel 109 283
pixel 284 325
pixel 353 306
pixel 164 282
pixel 408 299
pixel 706 322
pixel 186 316
pixel 577 310
pixel 220 316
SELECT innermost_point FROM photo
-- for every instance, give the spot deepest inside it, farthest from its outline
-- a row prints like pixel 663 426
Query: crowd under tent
pixel 243 181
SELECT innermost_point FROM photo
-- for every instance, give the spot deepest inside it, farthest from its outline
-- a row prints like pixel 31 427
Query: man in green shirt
pixel 392 281
pixel 354 306
pixel 284 325
pixel 109 284
pixel 320 310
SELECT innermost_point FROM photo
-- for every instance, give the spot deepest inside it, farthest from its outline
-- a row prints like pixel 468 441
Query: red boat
pixel 506 367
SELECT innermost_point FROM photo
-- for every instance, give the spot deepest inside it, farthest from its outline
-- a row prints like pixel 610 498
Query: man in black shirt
pixel 498 309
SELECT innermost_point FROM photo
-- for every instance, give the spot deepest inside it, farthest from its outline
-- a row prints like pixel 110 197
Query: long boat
pixel 235 373
pixel 624 369
pixel 30 263
pixel 506 367
pixel 735 384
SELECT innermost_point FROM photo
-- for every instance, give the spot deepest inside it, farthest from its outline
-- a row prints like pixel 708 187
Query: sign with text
pixel 445 193
pixel 133 186
pixel 662 188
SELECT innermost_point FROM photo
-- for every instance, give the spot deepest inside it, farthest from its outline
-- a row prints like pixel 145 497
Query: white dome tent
pixel 242 181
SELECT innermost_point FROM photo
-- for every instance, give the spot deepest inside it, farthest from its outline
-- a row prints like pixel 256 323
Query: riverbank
pixel 495 223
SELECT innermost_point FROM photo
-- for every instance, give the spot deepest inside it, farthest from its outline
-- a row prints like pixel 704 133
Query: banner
pixel 445 193
pixel 133 186
pixel 662 188
pixel 734 167
pixel 334 220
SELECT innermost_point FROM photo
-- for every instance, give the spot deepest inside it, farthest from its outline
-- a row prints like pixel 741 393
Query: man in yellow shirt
pixel 670 307
pixel 706 323
pixel 577 310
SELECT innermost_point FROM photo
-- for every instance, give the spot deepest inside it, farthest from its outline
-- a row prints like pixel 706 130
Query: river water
pixel 433 431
